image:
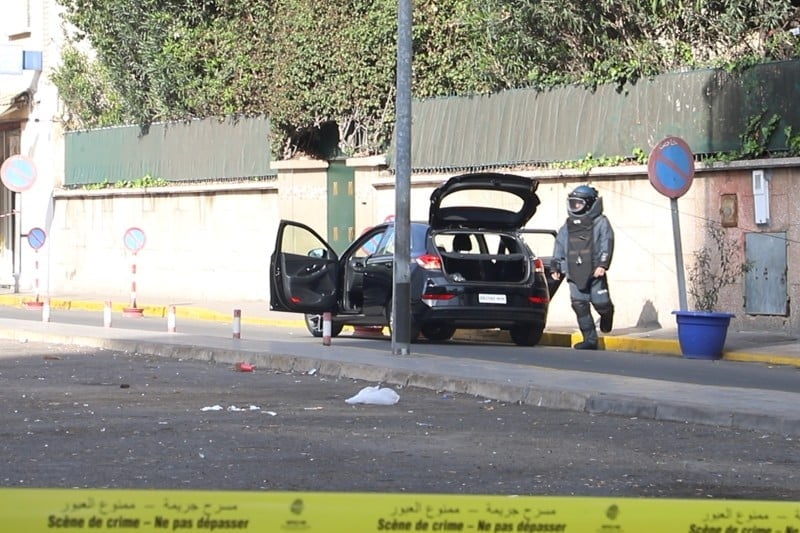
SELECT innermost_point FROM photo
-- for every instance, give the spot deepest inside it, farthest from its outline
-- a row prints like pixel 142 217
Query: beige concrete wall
pixel 303 186
pixel 214 241
pixel 202 243
pixel 644 274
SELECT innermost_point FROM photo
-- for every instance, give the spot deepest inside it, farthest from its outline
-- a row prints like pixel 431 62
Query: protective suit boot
pixel 607 320
pixel 589 341
pixel 585 345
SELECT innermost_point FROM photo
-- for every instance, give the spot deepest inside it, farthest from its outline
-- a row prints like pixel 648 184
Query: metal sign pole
pixel 676 232
pixel 17 222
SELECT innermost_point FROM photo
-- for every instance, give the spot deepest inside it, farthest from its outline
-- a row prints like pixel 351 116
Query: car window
pixel 299 241
pixel 386 246
pixel 369 243
pixel 419 236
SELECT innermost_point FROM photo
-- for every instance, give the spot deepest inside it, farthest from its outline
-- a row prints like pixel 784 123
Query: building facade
pixel 31 39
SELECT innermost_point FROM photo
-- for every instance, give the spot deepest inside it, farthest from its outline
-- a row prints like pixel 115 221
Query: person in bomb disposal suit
pixel 583 251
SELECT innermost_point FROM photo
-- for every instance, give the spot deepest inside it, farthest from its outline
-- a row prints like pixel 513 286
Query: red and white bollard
pixel 36 304
pixel 237 323
pixel 326 329
pixel 171 319
pixel 133 285
pixel 107 314
pixel 36 269
pixel 133 311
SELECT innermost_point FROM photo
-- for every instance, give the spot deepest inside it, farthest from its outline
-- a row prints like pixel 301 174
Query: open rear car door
pixel 304 271
pixel 542 242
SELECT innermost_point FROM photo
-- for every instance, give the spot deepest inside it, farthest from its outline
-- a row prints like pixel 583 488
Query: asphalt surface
pixel 77 417
pixel 736 405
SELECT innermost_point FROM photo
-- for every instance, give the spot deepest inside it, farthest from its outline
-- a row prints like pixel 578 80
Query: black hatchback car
pixel 471 266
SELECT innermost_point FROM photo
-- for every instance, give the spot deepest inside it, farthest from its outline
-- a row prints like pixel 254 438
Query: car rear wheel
pixel 438 331
pixel 389 314
pixel 314 326
pixel 527 334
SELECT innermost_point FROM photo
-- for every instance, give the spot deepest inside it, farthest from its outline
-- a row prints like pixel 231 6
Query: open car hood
pixel 502 202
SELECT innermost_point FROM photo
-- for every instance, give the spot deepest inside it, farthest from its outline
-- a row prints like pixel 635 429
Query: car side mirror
pixel 318 253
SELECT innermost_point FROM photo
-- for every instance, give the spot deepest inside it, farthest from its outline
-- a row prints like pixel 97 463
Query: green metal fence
pixel 208 149
pixel 708 108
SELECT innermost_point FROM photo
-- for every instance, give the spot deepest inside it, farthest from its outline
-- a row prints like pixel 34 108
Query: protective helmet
pixel 581 199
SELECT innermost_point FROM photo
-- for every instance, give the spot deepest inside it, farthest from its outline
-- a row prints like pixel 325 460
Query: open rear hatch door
pixel 484 200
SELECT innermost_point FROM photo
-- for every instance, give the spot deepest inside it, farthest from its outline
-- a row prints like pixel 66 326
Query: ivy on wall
pixel 326 70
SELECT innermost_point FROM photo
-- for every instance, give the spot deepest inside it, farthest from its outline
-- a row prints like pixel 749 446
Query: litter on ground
pixel 375 395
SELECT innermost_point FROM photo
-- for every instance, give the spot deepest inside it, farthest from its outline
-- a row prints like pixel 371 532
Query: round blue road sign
pixel 18 173
pixel 670 167
pixel 36 238
pixel 134 239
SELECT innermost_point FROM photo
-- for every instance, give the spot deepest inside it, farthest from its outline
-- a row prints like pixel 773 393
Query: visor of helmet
pixel 576 205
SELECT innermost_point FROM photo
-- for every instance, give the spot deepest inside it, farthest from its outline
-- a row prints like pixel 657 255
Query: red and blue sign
pixel 18 173
pixel 134 239
pixel 36 238
pixel 670 167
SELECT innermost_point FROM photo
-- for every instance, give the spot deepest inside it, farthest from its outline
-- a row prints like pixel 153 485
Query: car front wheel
pixel 314 326
pixel 527 334
pixel 438 331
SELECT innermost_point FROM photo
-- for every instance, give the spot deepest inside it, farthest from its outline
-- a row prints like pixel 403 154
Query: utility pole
pixel 401 302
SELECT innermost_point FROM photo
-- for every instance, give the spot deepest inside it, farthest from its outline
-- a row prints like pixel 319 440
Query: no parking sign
pixel 36 238
pixel 670 167
pixel 134 239
pixel 18 173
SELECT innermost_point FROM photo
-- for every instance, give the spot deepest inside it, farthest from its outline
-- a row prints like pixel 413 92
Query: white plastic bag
pixel 375 395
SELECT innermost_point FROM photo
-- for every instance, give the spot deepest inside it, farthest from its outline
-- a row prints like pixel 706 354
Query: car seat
pixel 461 243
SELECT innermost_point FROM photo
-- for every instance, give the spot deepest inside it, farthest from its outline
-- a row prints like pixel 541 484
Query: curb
pixel 649 346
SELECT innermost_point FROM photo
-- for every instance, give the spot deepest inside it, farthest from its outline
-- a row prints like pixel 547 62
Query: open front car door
pixel 304 271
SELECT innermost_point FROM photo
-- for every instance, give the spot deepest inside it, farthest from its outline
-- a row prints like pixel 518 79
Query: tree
pixel 323 70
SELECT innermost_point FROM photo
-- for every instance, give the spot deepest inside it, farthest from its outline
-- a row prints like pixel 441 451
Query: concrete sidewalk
pixel 748 346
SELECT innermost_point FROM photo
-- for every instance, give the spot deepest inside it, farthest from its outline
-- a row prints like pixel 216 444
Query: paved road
pixel 446 367
pixel 95 418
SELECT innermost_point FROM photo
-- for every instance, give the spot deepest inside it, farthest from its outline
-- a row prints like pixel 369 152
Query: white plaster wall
pixel 199 246
pixel 214 242
pixel 643 277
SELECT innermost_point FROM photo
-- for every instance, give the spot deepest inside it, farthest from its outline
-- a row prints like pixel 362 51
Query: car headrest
pixel 461 243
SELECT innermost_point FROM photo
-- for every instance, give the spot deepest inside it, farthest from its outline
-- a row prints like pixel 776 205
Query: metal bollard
pixel 237 323
pixel 326 329
pixel 171 319
pixel 107 315
pixel 46 310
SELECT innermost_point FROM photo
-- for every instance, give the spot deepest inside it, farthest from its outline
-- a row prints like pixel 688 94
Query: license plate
pixel 491 298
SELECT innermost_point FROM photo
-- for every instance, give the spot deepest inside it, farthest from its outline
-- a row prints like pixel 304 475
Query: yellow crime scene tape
pixel 65 510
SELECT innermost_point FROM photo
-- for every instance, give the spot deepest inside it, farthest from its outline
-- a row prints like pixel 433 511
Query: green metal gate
pixel 341 205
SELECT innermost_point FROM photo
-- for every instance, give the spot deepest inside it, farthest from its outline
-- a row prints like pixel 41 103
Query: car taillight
pixel 438 296
pixel 538 265
pixel 538 268
pixel 430 262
